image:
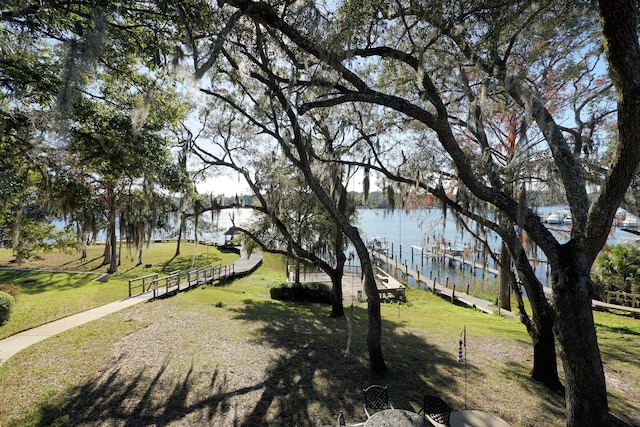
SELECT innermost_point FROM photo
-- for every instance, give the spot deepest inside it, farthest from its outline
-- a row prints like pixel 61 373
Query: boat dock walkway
pixel 178 281
pixel 353 291
pixel 454 293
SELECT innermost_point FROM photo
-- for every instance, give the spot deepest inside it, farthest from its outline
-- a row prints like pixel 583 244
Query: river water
pixel 410 235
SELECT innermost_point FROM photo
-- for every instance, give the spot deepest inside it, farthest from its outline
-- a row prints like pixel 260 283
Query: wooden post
pixel 453 293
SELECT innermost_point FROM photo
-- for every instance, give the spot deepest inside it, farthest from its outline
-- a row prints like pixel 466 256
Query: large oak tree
pixel 500 49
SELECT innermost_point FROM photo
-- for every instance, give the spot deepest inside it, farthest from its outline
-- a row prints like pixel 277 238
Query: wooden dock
pixel 388 286
pixel 178 281
pixel 352 286
pixel 353 291
pixel 456 294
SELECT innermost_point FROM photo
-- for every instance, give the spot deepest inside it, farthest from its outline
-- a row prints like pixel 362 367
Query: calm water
pixel 422 228
pixel 409 234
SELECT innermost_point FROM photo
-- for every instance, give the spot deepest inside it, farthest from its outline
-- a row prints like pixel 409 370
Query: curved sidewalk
pixel 13 344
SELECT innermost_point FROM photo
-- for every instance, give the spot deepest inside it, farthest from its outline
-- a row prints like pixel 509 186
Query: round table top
pixel 397 418
pixel 476 419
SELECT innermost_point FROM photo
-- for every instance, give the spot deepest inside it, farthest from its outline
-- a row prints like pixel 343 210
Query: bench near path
pixel 15 343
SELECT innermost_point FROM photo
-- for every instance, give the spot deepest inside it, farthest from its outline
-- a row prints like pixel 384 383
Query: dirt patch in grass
pixel 195 362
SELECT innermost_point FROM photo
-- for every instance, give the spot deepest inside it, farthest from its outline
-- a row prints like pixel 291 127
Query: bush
pixel 618 270
pixel 6 307
pixel 11 289
pixel 311 292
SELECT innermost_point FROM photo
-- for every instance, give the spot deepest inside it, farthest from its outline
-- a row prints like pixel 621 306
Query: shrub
pixel 6 307
pixel 11 289
pixel 311 292
pixel 618 270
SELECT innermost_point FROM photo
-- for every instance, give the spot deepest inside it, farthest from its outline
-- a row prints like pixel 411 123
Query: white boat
pixel 567 220
pixel 630 221
pixel 455 250
pixel 378 244
pixel 554 218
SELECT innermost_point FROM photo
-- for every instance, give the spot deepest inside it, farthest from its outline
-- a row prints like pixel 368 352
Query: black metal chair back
pixel 376 397
pixel 436 409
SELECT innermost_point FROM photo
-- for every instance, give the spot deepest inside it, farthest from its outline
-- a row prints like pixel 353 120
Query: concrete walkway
pixel 13 344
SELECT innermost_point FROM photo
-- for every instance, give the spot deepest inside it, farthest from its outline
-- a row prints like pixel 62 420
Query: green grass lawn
pixel 61 284
pixel 229 355
pixel 48 296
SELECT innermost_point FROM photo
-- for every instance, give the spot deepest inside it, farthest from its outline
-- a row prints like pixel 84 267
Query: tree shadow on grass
pixel 33 282
pixel 81 261
pixel 618 329
pixel 315 372
pixel 307 384
pixel 519 373
pixel 138 400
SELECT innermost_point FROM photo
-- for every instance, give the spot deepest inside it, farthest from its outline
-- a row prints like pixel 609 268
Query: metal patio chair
pixel 376 398
pixel 436 409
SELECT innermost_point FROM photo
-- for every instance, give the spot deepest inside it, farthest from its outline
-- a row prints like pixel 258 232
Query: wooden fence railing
pixel 179 280
pixel 143 282
pixel 623 298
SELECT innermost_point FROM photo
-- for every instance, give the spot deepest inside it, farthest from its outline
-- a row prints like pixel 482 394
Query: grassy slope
pixel 56 290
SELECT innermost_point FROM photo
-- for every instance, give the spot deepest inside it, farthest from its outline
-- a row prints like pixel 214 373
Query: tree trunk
pixel 109 243
pixel 505 278
pixel 16 241
pixel 296 278
pixel 337 308
pixel 586 392
pixel 82 241
pixel 180 231
pixel 374 333
pixel 107 250
pixel 540 325
pixel 121 233
pixel 545 361
pixel 113 265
